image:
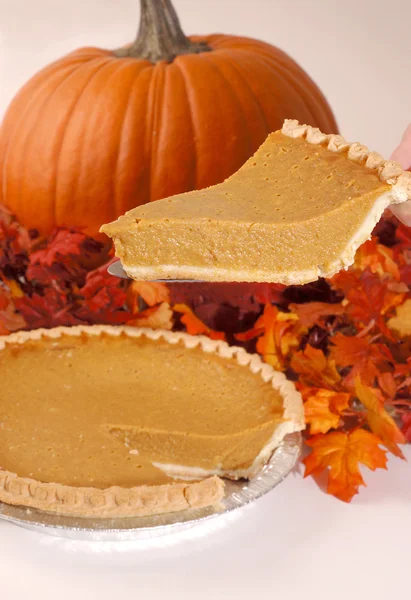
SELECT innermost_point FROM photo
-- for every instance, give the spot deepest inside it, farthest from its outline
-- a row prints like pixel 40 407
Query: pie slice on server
pixel 296 211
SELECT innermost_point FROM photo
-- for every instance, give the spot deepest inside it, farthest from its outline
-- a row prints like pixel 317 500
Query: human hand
pixel 402 154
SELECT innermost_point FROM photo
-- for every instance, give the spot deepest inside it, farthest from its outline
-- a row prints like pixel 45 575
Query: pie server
pixel 117 270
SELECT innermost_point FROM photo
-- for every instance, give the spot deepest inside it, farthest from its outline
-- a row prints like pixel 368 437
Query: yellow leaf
pixel 401 323
pixel 156 317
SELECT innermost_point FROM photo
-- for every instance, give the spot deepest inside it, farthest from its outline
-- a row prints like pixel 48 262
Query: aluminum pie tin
pixel 238 494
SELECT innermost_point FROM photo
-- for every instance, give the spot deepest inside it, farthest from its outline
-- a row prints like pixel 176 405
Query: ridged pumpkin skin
pixel 93 135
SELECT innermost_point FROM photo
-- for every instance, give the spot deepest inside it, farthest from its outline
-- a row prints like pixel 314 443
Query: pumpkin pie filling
pixel 298 209
pixel 128 410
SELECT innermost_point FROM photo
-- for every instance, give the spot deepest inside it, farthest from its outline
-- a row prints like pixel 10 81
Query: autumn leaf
pixel 14 287
pixel 288 333
pixel 50 309
pixel 387 383
pixel 268 293
pixel 364 357
pixel 246 297
pixel 64 243
pixel 193 324
pixel 401 323
pixel 406 426
pixel 323 408
pixel 278 332
pixel 156 317
pixel 280 335
pixel 10 319
pixel 312 312
pixel 250 334
pixel 377 258
pixel 344 281
pixel 63 274
pixel 152 292
pixel 367 298
pixel 14 248
pixel 315 368
pixel 341 454
pixel 351 350
pixel 378 419
pixel 403 234
pixel 373 300
pixel 102 299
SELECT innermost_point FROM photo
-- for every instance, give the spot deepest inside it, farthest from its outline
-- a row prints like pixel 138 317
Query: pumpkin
pixel 100 131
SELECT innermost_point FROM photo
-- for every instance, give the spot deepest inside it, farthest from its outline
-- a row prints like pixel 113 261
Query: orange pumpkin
pixel 99 131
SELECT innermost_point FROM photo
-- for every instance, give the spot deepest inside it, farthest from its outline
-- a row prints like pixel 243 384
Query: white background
pixel 296 542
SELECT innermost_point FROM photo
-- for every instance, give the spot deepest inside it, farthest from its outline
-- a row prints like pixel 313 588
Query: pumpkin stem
pixel 160 36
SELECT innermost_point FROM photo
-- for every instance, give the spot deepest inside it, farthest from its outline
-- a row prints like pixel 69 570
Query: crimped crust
pixel 269 241
pixel 147 500
pixel 388 171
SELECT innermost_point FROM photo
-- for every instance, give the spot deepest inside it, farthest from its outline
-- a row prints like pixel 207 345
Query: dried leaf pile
pixel 345 342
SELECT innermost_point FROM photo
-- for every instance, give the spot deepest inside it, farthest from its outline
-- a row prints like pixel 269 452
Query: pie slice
pixel 296 211
pixel 119 421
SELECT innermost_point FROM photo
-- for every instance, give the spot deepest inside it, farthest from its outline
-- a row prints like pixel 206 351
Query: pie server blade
pixel 117 270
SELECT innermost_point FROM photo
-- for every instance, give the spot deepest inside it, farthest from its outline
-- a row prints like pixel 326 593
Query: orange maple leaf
pixel 156 317
pixel 314 368
pixel 363 357
pixel 378 419
pixel 194 325
pixel 341 454
pixel 323 408
pixel 152 292
pixel 368 298
pixel 279 333
pixel 387 384
pixel 312 312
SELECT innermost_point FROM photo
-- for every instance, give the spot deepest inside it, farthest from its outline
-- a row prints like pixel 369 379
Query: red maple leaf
pixel 63 245
pixel 102 298
pixel 403 234
pixel 51 309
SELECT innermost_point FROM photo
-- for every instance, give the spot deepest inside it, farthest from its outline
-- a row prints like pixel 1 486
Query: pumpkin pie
pixel 120 421
pixel 296 211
